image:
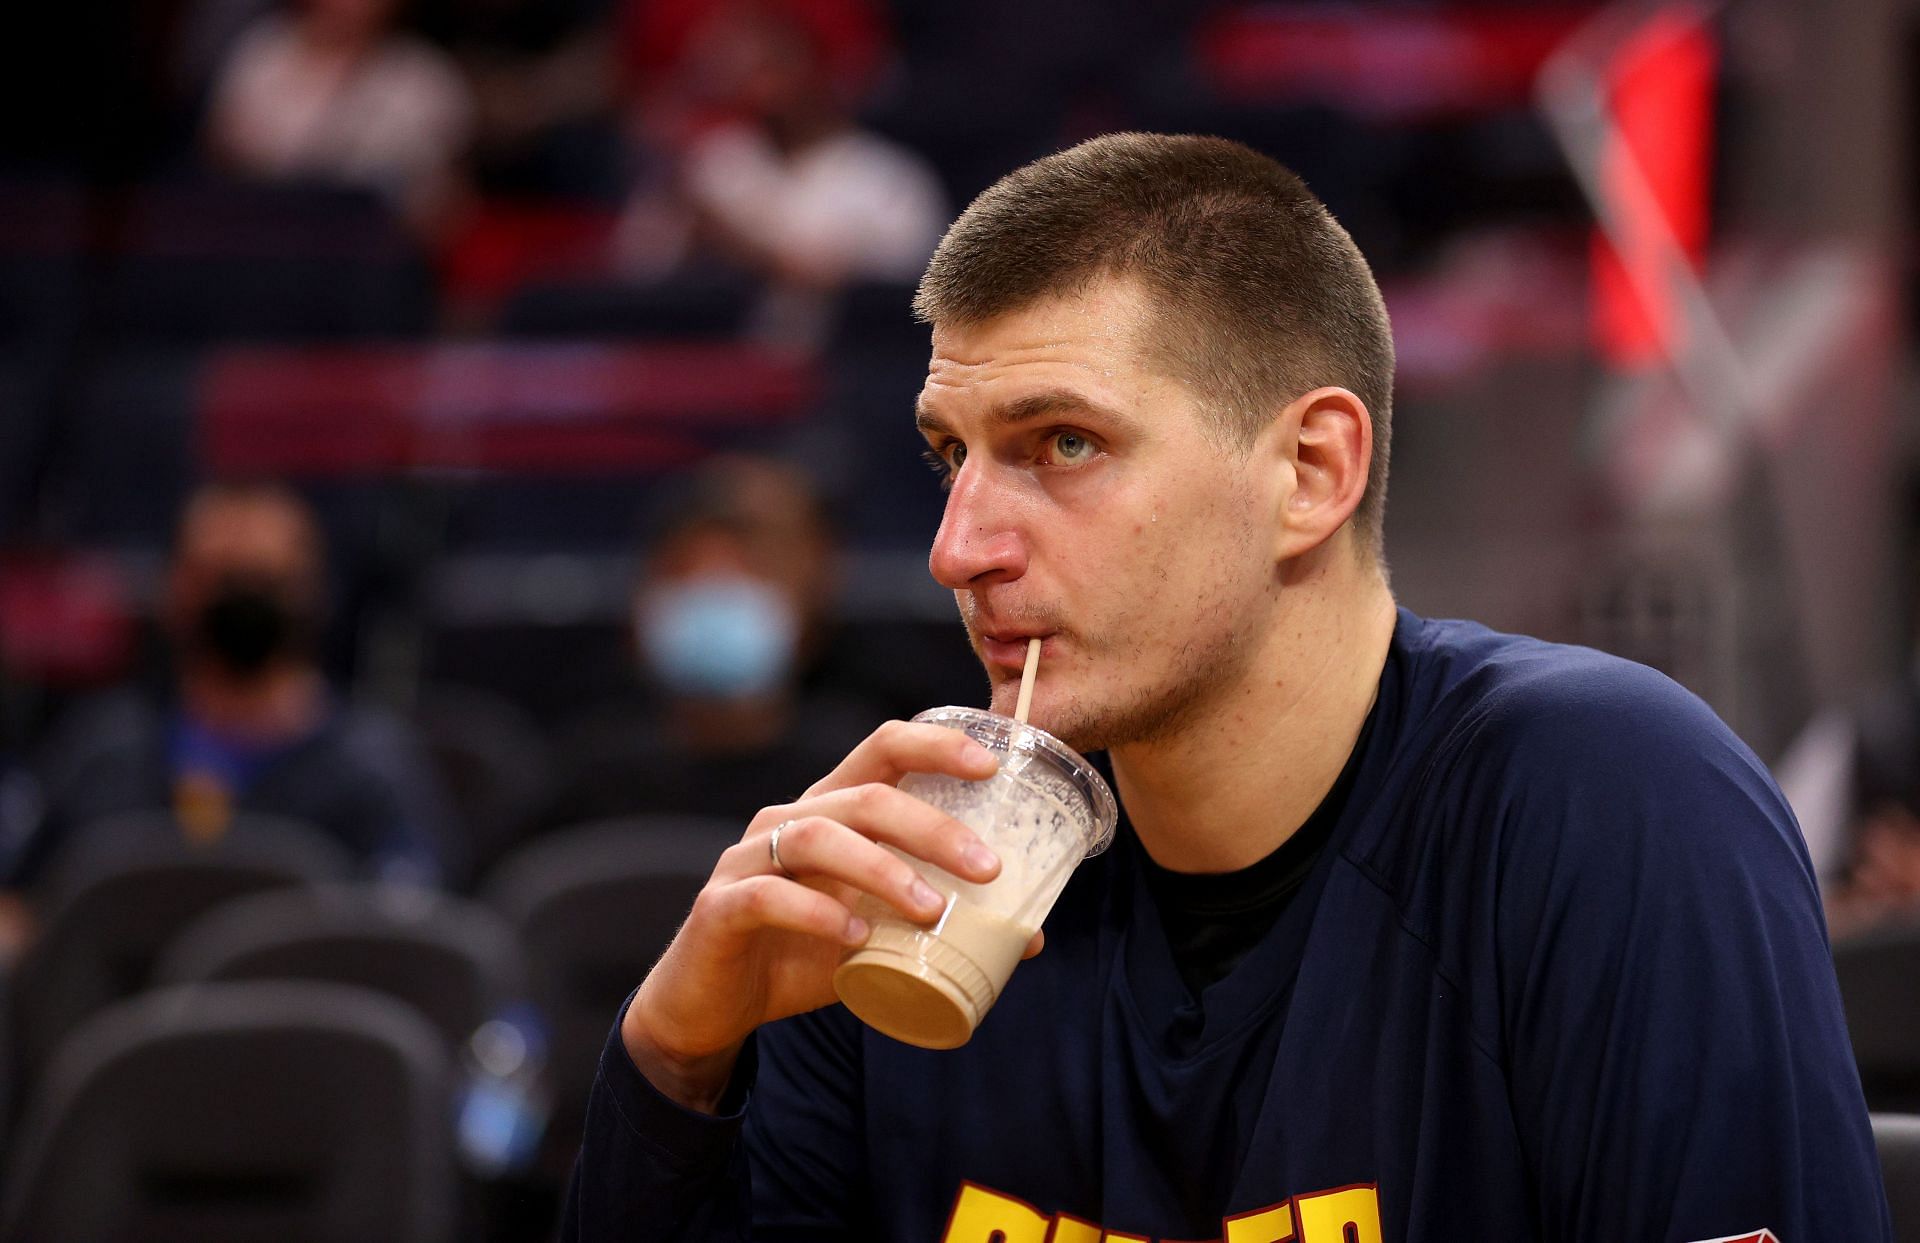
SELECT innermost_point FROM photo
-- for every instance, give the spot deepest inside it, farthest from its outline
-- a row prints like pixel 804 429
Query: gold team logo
pixel 1339 1215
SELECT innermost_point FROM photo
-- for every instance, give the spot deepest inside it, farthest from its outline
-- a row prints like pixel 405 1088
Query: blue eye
pixel 945 462
pixel 1072 447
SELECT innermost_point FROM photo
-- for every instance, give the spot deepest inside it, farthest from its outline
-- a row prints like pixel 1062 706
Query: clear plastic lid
pixel 1032 754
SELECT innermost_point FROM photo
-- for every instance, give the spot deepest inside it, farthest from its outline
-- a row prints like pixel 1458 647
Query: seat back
pixel 595 905
pixel 1897 1136
pixel 1879 973
pixel 694 306
pixel 492 761
pixel 456 962
pixel 122 889
pixel 209 261
pixel 287 1111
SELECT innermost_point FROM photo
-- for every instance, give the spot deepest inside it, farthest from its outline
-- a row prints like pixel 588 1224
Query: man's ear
pixel 1327 438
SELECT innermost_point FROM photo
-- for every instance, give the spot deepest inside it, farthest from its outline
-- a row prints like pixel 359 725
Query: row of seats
pixel 192 1000
pixel 220 262
pixel 1879 974
pixel 209 261
pixel 102 448
pixel 516 988
pixel 195 1088
pixel 221 1112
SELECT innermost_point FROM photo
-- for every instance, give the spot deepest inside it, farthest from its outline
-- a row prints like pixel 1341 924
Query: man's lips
pixel 1008 648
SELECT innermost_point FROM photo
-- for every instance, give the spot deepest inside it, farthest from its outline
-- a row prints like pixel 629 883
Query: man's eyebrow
pixel 1034 406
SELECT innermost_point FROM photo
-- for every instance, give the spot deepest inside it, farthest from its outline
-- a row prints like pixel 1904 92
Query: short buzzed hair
pixel 1261 295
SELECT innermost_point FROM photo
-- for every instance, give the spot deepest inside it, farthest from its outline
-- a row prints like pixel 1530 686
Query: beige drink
pixel 932 986
pixel 1043 812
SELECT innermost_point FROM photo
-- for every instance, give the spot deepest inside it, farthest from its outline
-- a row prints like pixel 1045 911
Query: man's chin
pixel 1063 721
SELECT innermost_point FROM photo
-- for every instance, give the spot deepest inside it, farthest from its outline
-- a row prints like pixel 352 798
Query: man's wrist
pixel 694 1082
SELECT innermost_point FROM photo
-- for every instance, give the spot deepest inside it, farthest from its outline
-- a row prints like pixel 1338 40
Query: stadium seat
pixel 230 1112
pixel 696 306
pixel 123 459
pixel 42 296
pixel 1878 970
pixel 456 962
pixel 26 435
pixel 594 906
pixel 43 239
pixel 491 760
pixel 1897 1136
pixel 223 261
pixel 121 889
pixel 877 361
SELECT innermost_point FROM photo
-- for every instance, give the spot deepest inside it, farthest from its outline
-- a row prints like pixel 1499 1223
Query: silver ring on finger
pixel 773 849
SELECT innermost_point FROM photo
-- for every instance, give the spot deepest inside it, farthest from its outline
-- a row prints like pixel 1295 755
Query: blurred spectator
pixel 332 93
pixel 780 180
pixel 250 723
pixel 19 813
pixel 205 37
pixel 731 610
pixel 1882 881
pixel 1853 779
pixel 545 83
pixel 850 36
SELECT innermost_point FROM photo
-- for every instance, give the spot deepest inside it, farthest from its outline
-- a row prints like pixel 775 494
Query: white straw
pixel 1026 681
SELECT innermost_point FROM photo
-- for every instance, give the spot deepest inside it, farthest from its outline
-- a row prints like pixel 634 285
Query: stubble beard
pixel 1200 670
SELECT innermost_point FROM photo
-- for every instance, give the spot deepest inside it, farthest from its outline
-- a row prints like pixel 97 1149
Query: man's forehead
pixel 1089 343
pixel 1109 314
pixel 254 530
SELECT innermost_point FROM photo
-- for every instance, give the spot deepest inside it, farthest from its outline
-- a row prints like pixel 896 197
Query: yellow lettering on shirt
pixel 1339 1215
pixel 981 1215
pixel 1068 1229
pixel 1267 1225
pixel 1327 1216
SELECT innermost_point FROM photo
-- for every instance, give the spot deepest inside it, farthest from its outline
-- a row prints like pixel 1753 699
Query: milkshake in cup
pixel 1042 812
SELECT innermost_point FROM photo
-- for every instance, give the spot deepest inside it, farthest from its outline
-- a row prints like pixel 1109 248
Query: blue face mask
pixel 725 638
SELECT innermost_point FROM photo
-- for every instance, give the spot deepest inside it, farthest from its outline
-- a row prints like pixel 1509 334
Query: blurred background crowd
pixel 456 465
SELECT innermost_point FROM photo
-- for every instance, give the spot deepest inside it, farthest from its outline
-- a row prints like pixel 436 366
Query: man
pixel 251 724
pixel 332 91
pixel 730 617
pixel 1418 932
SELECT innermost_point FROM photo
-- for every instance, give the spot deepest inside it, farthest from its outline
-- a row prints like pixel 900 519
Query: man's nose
pixel 979 538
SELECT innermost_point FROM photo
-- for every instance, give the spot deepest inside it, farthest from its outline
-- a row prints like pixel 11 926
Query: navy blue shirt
pixel 362 777
pixel 1560 973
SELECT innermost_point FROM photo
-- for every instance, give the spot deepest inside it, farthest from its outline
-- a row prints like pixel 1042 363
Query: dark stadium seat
pixel 27 430
pixel 43 226
pixel 42 294
pixel 456 962
pixel 876 362
pixel 227 1112
pixel 123 460
pixel 594 906
pixel 1878 971
pixel 492 761
pixel 224 261
pixel 698 306
pixel 1897 1136
pixel 120 890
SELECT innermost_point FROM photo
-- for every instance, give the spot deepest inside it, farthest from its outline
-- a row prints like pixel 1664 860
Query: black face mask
pixel 245 624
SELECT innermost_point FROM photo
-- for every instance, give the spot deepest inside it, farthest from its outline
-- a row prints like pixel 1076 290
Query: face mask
pixel 245 624
pixel 725 638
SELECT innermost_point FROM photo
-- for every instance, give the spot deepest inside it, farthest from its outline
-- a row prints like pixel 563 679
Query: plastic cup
pixel 1044 811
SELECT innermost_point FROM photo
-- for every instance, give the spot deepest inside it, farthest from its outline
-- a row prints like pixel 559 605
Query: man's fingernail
pixel 856 930
pixel 978 755
pixel 924 896
pixel 979 858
